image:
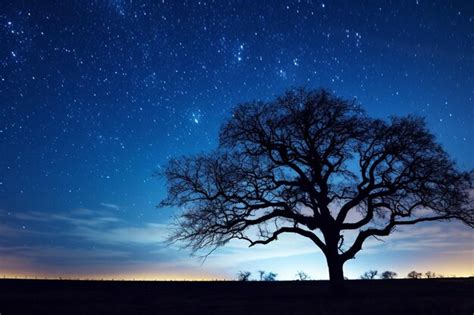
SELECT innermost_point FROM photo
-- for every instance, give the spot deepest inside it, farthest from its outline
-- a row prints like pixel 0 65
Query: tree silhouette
pixel 369 275
pixel 243 275
pixel 388 274
pixel 414 275
pixel 302 276
pixel 430 274
pixel 261 273
pixel 270 276
pixel 315 165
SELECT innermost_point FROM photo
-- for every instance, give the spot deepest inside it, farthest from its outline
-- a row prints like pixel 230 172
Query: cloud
pixel 102 226
pixel 238 252
pixel 149 233
pixel 430 237
pixel 81 237
pixel 67 255
pixel 8 231
pixel 110 206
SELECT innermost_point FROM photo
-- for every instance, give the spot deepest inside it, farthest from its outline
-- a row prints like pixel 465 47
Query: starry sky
pixel 96 96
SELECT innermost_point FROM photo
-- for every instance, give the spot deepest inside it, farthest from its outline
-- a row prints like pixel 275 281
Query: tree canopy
pixel 388 274
pixel 315 165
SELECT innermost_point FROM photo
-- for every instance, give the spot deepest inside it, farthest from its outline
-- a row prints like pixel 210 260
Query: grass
pixel 427 296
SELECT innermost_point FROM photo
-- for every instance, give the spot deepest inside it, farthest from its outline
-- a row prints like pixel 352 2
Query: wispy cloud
pixel 424 238
pixel 101 226
pixel 79 236
pixel 110 206
pixel 237 252
pixel 148 233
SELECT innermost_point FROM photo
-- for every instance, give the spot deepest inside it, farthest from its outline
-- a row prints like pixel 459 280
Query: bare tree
pixel 302 276
pixel 314 165
pixel 243 275
pixel 430 274
pixel 388 275
pixel 414 275
pixel 270 276
pixel 369 275
pixel 261 273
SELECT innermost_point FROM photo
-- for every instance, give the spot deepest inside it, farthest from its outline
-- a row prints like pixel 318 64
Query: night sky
pixel 95 96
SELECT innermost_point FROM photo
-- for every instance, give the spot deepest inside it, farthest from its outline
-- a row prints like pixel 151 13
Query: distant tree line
pixel 269 276
pixel 263 275
pixel 371 274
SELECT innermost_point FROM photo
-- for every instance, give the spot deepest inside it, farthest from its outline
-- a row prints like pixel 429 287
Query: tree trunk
pixel 335 262
pixel 336 274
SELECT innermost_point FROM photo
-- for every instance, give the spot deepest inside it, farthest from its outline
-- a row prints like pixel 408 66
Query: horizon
pixel 91 109
pixel 19 277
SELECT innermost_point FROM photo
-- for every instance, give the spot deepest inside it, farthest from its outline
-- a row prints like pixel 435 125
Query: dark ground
pixel 429 296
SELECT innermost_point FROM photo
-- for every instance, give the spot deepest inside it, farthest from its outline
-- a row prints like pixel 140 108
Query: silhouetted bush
pixel 270 276
pixel 414 275
pixel 369 274
pixel 302 276
pixel 244 275
pixel 388 274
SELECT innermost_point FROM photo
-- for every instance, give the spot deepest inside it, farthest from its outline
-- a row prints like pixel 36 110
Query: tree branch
pixel 282 230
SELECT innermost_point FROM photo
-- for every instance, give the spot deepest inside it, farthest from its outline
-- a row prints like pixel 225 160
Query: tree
pixel 243 275
pixel 430 274
pixel 388 274
pixel 414 275
pixel 369 275
pixel 302 276
pixel 270 276
pixel 261 273
pixel 312 164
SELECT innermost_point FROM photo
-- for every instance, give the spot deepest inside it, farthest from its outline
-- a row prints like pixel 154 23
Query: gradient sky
pixel 95 96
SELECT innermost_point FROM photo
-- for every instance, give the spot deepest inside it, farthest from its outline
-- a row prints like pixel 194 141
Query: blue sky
pixel 96 96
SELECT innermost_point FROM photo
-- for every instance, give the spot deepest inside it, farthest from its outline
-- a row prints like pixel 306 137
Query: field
pixel 429 296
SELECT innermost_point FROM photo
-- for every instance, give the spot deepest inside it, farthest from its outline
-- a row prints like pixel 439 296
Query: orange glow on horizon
pixel 188 277
pixel 118 277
